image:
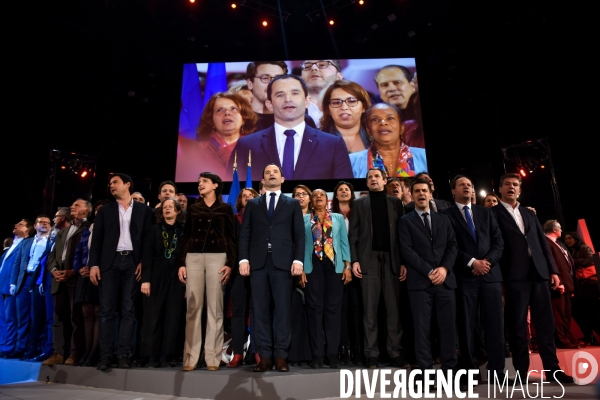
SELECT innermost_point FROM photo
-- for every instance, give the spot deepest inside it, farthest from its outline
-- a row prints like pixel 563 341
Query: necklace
pixel 169 249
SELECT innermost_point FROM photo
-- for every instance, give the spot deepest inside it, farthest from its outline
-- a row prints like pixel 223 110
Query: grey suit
pixel 380 271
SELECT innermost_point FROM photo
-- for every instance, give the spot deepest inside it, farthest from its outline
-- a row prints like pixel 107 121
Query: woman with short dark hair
pixel 163 293
pixel 207 257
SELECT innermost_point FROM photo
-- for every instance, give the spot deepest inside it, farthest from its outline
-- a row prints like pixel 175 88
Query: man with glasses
pixel 258 76
pixel 301 151
pixel 67 329
pixel 30 304
pixel 319 75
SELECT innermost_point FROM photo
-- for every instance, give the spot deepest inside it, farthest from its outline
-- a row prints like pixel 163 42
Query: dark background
pixel 102 78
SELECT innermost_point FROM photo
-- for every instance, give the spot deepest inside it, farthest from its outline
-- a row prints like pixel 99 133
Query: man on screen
pixel 258 76
pixel 319 75
pixel 300 151
pixel 396 86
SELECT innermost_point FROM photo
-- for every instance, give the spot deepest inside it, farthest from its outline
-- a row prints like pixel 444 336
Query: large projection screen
pixel 207 151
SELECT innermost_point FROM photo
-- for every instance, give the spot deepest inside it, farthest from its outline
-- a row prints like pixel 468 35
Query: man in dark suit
pixel 527 269
pixel 478 274
pixel 428 248
pixel 68 330
pixel 115 264
pixel 8 302
pixel 30 304
pixel 271 245
pixel 561 298
pixel 300 151
pixel 376 260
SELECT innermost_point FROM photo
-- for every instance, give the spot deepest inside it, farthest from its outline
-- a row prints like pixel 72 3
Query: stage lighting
pixel 233 5
pixel 522 172
pixel 264 23
pixel 331 22
pixel 192 1
pixel 361 2
pixel 482 193
pixel 84 174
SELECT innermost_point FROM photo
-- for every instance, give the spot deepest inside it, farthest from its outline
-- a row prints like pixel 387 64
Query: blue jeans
pixel 119 275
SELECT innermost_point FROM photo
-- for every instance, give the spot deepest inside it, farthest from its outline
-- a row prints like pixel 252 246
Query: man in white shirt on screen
pixel 319 75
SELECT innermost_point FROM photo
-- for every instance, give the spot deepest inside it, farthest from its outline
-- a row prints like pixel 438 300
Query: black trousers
pixel 375 282
pixel 534 293
pixel 68 323
pixel 271 285
pixel 162 311
pixel 472 295
pixel 324 291
pixel 561 308
pixel 240 297
pixel 422 303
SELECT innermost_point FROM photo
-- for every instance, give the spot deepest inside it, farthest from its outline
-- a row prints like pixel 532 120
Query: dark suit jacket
pixel 489 243
pixel 6 272
pixel 361 233
pixel 286 232
pixel 322 155
pixel 564 270
pixel 421 255
pixel 107 231
pixel 20 265
pixel 55 257
pixel 515 259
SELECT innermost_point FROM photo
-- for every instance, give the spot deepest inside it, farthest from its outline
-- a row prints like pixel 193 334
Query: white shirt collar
pixel 508 206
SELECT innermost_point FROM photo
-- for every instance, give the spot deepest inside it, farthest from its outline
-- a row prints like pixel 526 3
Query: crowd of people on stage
pixel 393 277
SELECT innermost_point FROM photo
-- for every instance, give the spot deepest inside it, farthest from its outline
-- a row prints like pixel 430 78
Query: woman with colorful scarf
pixel 388 150
pixel 326 271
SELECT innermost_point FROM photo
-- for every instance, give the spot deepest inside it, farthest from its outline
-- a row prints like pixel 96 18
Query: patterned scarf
pixel 321 233
pixel 406 165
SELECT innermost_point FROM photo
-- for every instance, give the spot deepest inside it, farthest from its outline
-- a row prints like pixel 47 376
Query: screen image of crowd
pixel 230 116
pixel 394 277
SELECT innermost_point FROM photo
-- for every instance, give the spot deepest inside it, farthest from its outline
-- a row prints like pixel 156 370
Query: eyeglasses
pixel 265 78
pixel 350 101
pixel 300 194
pixel 44 222
pixel 320 64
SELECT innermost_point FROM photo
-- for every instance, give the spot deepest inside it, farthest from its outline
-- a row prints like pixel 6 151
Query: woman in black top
pixel 162 289
pixel 207 257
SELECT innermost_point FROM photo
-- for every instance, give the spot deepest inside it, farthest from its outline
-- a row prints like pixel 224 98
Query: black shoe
pixel 344 355
pixel 398 362
pixel 105 363
pixel 171 362
pixel 153 364
pixel 123 362
pixel 249 359
pixel 357 356
pixel 141 362
pixel 317 362
pixel 507 351
pixel 334 361
pixel 559 377
pixel 3 354
pixel 371 363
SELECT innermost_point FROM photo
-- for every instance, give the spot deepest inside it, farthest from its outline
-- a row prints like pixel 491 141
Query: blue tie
pixel 288 154
pixel 470 222
pixel 272 206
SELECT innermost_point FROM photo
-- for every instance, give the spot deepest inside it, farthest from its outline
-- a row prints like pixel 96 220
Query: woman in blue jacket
pixel 326 271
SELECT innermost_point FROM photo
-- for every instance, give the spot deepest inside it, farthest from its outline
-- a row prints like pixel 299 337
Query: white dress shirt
pixel 125 243
pixel 35 253
pixel 280 138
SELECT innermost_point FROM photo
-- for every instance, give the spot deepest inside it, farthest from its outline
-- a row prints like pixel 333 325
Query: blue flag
pixel 191 102
pixel 249 177
pixel 234 192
